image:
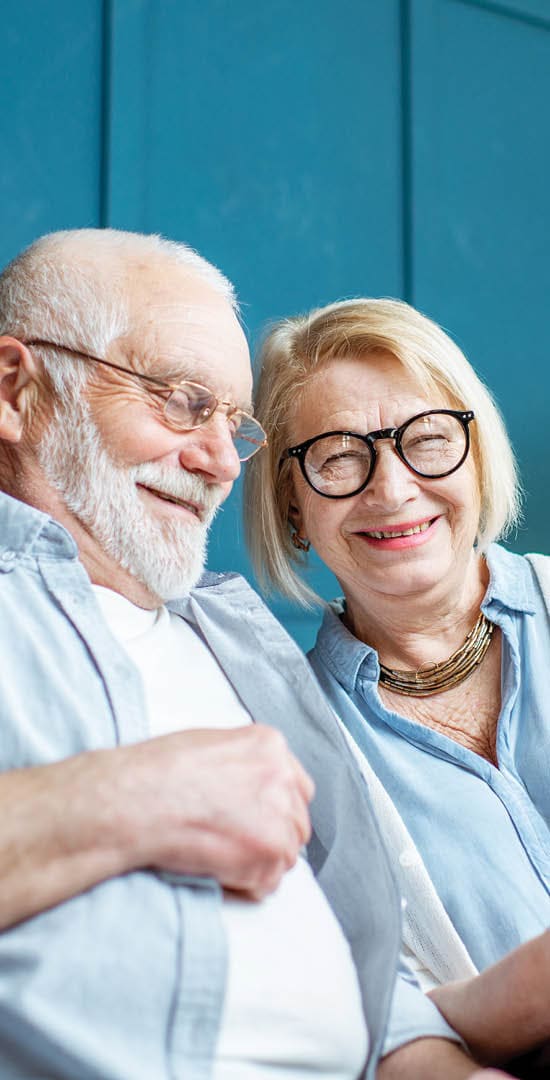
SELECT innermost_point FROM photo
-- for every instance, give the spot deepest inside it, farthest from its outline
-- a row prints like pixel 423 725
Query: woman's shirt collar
pixel 511 587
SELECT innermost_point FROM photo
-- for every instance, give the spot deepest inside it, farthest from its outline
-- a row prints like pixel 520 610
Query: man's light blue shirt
pixel 126 981
pixel 483 832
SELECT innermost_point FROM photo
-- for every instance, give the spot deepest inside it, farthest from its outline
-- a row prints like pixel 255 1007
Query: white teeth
pixel 406 532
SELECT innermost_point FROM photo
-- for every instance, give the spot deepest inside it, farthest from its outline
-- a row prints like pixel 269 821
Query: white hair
pixel 167 556
pixel 56 290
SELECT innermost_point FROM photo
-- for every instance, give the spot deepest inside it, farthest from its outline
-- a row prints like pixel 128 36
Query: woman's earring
pixel 296 540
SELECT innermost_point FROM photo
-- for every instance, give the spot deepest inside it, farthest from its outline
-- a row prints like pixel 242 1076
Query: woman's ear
pixel 17 381
pixel 294 515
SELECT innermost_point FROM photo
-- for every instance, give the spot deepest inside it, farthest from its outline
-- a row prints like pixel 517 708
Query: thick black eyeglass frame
pixel 299 452
pixel 162 385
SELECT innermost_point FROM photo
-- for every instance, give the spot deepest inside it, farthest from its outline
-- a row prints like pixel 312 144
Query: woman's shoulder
pixel 506 564
pixel 518 582
pixel 540 565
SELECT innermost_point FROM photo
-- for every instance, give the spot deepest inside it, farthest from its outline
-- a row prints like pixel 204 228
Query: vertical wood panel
pixel 50 118
pixel 266 135
pixel 481 160
pixel 132 118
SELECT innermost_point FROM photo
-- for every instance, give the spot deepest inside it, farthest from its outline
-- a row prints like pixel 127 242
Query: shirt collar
pixel 24 530
pixel 344 655
pixel 511 581
pixel 510 586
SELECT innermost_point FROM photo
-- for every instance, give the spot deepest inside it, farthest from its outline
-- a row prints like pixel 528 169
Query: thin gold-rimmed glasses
pixel 188 404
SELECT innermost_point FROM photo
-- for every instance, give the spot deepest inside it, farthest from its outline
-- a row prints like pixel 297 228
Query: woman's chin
pixel 413 572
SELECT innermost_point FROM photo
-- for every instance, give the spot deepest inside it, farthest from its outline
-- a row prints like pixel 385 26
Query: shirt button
pixel 408 858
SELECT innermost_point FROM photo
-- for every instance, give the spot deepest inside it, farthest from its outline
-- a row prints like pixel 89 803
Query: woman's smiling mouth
pixel 400 536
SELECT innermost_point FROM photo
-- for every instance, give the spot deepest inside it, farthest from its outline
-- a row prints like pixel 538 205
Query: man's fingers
pixel 301 821
pixel 304 781
pixel 237 804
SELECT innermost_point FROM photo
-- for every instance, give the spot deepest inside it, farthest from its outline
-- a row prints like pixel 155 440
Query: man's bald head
pixel 55 266
pixel 78 287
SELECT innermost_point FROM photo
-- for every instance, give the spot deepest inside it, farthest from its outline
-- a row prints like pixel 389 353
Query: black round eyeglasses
pixel 338 464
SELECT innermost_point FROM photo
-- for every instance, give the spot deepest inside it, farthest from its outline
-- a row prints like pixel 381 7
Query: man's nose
pixel 210 449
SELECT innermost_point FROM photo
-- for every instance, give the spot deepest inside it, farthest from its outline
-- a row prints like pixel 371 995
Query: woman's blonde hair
pixel 294 350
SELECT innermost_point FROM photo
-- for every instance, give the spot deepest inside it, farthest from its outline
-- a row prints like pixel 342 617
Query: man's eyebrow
pixel 185 371
pixel 169 371
pixel 177 374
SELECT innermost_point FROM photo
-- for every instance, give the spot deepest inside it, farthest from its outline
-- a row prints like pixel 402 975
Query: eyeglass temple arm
pixel 99 360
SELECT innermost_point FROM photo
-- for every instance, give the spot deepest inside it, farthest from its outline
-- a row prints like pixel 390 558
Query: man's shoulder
pixel 212 578
pixel 227 591
pixel 230 584
pixel 24 531
pixel 228 600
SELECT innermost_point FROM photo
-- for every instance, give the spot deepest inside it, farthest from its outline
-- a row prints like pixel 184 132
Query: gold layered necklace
pixel 433 678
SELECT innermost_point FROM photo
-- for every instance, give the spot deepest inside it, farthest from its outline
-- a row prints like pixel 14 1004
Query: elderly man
pixel 159 918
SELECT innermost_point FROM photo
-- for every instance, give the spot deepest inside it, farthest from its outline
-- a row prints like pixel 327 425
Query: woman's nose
pixel 392 483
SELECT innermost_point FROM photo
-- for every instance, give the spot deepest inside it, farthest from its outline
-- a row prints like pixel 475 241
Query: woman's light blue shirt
pixel 483 832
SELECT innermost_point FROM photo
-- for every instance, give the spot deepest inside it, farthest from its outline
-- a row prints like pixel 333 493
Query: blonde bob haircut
pixel 297 348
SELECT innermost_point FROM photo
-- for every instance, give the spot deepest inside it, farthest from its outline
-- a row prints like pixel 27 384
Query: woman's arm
pixel 505 1011
pixel 433 1059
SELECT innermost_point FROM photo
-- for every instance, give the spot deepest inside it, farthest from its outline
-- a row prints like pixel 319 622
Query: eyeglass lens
pixel 191 405
pixel 431 445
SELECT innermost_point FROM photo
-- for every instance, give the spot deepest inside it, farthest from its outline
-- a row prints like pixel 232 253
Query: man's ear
pixel 17 380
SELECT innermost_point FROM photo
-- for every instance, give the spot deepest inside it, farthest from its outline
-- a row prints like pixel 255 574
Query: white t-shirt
pixel 292 1005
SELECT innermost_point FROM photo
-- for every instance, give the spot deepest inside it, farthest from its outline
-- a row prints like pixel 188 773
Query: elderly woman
pixel 388 456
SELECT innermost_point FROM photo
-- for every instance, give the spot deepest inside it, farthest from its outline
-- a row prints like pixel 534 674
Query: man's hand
pixel 232 805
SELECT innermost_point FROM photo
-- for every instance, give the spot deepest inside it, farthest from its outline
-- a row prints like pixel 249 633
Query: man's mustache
pixel 181 485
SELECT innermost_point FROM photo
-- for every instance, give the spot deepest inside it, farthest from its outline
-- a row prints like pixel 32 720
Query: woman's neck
pixel 409 631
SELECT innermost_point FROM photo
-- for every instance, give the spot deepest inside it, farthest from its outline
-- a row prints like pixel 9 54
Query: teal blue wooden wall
pixel 313 150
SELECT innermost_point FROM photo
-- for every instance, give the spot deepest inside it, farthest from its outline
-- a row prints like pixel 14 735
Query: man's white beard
pixel 167 556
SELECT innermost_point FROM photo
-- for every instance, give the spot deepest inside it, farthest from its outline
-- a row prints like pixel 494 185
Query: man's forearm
pixel 231 805
pixel 505 1011
pixel 58 835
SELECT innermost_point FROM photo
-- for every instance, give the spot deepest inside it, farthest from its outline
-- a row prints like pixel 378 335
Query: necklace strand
pixel 433 678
